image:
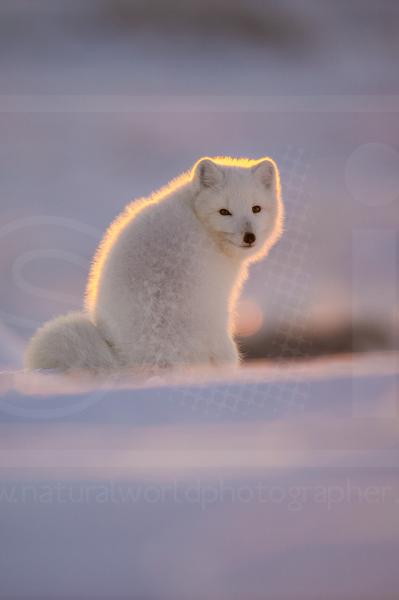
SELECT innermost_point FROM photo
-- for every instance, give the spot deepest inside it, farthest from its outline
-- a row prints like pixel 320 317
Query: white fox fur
pixel 166 277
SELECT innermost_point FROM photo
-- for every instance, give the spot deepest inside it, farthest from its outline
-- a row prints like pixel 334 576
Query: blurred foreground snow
pixel 274 481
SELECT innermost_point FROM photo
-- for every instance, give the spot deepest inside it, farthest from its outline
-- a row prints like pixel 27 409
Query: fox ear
pixel 208 174
pixel 265 171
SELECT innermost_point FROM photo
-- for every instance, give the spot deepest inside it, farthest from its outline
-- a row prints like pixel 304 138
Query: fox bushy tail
pixel 70 342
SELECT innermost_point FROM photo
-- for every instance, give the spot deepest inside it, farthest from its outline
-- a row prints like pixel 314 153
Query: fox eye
pixel 256 209
pixel 225 212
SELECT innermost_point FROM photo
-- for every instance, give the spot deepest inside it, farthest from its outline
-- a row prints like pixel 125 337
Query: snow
pixel 275 480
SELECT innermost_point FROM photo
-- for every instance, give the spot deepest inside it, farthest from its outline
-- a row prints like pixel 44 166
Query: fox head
pixel 239 201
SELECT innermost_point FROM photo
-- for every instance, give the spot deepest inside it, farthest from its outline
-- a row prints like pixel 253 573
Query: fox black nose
pixel 249 238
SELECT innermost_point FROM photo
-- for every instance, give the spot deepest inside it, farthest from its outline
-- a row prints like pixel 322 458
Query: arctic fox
pixel 166 277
